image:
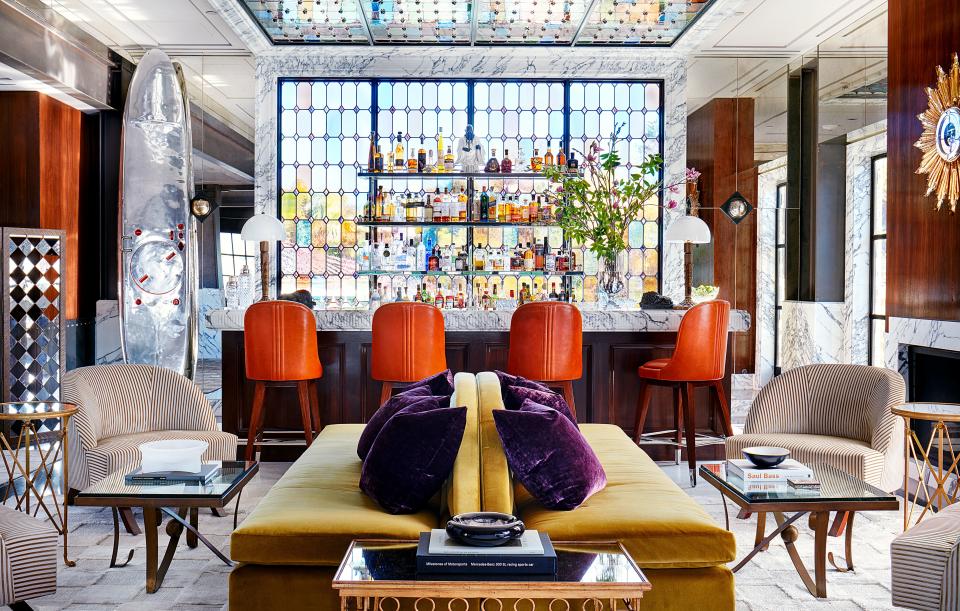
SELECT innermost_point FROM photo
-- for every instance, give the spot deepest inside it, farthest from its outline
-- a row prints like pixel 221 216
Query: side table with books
pixel 789 493
pixel 532 568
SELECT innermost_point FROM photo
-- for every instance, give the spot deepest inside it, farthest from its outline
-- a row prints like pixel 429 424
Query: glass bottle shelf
pixel 537 273
pixel 362 223
pixel 489 175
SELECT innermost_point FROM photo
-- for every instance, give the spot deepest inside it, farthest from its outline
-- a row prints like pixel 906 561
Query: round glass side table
pixel 939 449
pixel 32 442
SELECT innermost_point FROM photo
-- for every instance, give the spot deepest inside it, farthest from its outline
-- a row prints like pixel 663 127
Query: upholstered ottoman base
pixel 925 563
pixel 28 557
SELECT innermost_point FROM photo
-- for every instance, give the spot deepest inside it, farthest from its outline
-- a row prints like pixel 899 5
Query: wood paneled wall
pixel 40 172
pixel 720 145
pixel 923 267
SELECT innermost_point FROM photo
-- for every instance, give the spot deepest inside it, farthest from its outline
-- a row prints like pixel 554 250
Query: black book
pixel 490 563
pixel 207 473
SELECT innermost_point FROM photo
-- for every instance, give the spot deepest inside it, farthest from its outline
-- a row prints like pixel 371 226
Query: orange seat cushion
pixel 653 369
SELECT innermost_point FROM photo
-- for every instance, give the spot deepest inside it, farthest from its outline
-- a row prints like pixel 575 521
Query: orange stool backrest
pixel 280 342
pixel 546 342
pixel 408 342
pixel 701 352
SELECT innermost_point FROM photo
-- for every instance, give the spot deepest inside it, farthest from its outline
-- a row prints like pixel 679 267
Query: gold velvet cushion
pixel 463 488
pixel 656 521
pixel 495 479
pixel 310 516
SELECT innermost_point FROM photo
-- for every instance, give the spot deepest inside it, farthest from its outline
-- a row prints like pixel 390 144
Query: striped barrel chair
pixel 28 558
pixel 122 406
pixel 925 563
pixel 832 414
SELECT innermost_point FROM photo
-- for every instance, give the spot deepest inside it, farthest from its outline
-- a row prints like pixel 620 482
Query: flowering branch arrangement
pixel 596 208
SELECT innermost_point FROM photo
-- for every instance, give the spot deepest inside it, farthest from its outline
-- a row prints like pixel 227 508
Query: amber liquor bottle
pixel 506 166
pixel 493 166
pixel 548 156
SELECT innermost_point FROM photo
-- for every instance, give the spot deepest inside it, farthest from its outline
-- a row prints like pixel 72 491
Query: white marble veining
pixel 498 320
pixel 107 333
pixel 812 333
pixel 209 338
pixel 770 175
pixel 943 334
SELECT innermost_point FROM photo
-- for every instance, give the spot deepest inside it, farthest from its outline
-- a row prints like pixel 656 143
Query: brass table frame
pixel 27 440
pixel 920 454
pixel 818 520
pixel 374 595
pixel 178 508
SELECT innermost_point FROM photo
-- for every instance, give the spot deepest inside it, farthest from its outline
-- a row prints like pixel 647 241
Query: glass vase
pixel 611 289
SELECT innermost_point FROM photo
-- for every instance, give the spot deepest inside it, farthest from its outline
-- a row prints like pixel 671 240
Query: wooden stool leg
pixel 724 408
pixel 315 406
pixel 567 387
pixel 256 419
pixel 303 393
pixel 690 430
pixel 385 391
pixel 678 420
pixel 643 404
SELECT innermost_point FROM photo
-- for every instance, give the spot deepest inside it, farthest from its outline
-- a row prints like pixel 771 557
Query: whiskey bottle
pixel 548 156
pixel 493 298
pixel 493 166
pixel 460 263
pixel 506 166
pixel 485 301
pixel 450 301
pixel 440 150
pixel 399 160
pixel 539 251
pixel 535 209
pixel 462 206
pixel 549 258
pixel 418 294
pixel 448 160
pixel 529 261
pixel 516 259
pixel 433 262
pixel 389 157
pixel 421 158
pixel 554 295
pixel 479 258
pixel 377 160
pixel 561 160
pixel 427 208
pixel 572 163
pixel 484 205
pixel 536 162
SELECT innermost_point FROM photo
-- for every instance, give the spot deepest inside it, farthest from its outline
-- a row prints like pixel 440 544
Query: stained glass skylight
pixel 479 22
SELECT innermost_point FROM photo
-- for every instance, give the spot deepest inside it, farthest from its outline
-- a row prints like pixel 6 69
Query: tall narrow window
pixel 234 254
pixel 878 261
pixel 780 279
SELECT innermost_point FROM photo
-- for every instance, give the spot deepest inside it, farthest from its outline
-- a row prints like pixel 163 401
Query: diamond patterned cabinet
pixel 34 321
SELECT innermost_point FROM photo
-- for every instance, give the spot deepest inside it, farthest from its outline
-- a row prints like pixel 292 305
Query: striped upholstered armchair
pixel 834 414
pixel 122 406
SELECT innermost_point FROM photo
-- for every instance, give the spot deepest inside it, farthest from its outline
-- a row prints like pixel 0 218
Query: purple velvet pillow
pixel 412 457
pixel 514 396
pixel 511 380
pixel 549 456
pixel 439 383
pixel 393 405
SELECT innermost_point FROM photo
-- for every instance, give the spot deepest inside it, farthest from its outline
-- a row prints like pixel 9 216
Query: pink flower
pixel 674 189
pixel 692 175
pixel 672 204
pixel 560 189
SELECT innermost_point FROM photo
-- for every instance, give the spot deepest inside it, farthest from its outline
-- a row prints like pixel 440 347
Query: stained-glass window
pixel 324 127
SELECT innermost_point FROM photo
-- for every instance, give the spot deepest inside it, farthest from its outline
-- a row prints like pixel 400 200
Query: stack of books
pixel 142 478
pixel 531 554
pixel 752 479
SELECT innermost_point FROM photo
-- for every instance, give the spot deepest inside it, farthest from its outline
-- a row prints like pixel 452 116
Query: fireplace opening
pixel 933 376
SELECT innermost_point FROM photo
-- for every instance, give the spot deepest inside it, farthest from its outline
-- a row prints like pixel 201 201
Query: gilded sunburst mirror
pixel 940 141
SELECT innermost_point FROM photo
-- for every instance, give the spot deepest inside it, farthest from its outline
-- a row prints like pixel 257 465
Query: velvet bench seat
pixel 290 545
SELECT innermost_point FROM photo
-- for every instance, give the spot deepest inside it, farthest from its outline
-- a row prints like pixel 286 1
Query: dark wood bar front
pixel 607 392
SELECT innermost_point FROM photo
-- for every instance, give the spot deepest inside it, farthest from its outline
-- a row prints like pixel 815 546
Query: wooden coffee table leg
pixel 194 521
pixel 150 534
pixel 761 530
pixel 848 547
pixel 820 522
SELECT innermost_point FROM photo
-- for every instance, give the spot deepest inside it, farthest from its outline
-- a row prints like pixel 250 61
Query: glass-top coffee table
pixel 374 571
pixel 176 500
pixel 838 492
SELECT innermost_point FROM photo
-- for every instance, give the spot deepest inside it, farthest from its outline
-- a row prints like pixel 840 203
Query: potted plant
pixel 595 207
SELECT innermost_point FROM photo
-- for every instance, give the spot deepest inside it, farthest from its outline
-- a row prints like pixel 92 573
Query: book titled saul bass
pixel 488 562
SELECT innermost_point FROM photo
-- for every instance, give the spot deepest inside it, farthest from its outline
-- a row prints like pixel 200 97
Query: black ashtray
pixel 485 528
pixel 766 457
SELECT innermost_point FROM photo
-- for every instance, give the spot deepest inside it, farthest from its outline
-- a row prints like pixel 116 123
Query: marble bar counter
pixel 594 320
pixel 615 343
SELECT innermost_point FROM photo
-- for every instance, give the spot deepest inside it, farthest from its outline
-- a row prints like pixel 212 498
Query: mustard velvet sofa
pixel 288 548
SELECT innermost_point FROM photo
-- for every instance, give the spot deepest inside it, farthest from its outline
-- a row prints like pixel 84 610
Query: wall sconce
pixel 736 208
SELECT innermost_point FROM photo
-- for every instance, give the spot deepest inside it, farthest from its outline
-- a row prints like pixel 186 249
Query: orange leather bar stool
pixel 280 346
pixel 408 344
pixel 546 345
pixel 699 359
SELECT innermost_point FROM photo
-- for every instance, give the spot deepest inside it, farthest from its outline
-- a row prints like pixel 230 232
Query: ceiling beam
pixel 586 15
pixel 366 22
pixel 474 15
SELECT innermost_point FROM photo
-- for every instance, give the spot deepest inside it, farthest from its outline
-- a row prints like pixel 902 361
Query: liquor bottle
pixel 417 294
pixel 554 295
pixel 377 160
pixel 536 162
pixel 438 299
pixel 529 260
pixel 572 163
pixel 425 295
pixel 432 165
pixel 427 208
pixel 516 259
pixel 546 212
pixel 484 205
pixel 450 301
pixel 561 160
pixel 376 261
pixel 400 162
pixel 371 156
pixel 493 166
pixel 363 256
pixel 548 156
pixel 421 158
pixel 447 258
pixel 485 301
pixel 492 207
pixel 493 298
pixel 386 262
pixel 448 160
pixel 460 263
pixel 433 262
pixel 421 257
pixel 402 294
pixel 479 258
pixel 388 162
pixel 538 254
pixel 461 300
pixel 440 150
pixel 411 211
pixel 413 163
pixel 445 205
pixel 506 166
pixel 462 206
pixel 503 210
pixel 535 209
pixel 376 298
pixel 515 213
pixel 549 258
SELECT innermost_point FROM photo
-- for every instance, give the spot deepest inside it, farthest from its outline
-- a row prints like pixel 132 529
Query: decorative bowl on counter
pixel 766 457
pixel 172 455
pixel 705 292
pixel 485 528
